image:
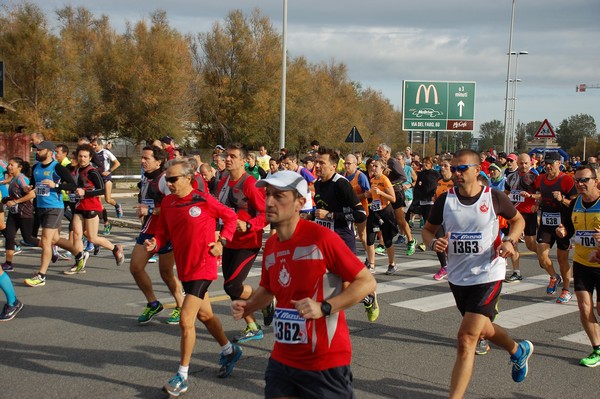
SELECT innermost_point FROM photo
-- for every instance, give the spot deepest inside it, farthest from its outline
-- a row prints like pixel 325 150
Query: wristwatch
pixel 248 226
pixel 508 239
pixel 325 308
pixel 223 241
pixel 329 215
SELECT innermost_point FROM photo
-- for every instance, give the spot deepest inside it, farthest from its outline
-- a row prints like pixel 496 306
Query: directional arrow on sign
pixel 460 107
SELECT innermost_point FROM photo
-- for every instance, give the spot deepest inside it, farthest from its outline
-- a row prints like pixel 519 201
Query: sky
pixel 383 42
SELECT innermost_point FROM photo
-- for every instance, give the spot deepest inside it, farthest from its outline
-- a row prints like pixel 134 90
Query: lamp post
pixel 506 128
pixel 283 78
pixel 516 80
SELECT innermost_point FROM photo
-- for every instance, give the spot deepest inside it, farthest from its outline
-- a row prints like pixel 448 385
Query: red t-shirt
pixel 190 224
pixel 313 264
pixel 256 204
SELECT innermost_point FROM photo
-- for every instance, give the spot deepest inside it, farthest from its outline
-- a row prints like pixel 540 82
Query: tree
pixel 571 132
pixel 491 135
pixel 32 73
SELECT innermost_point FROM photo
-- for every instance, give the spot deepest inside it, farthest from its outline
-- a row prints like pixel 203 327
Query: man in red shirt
pixel 186 213
pixel 304 266
pixel 237 190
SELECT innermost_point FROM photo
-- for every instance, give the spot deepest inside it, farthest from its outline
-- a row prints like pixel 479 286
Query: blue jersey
pixel 47 197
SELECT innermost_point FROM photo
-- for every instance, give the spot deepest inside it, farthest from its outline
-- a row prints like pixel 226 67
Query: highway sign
pixel 545 131
pixel 435 106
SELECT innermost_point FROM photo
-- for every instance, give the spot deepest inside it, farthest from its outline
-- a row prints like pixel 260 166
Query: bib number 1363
pixel 466 243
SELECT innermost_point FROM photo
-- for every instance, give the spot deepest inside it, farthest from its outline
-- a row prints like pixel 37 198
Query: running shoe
pixel 482 347
pixel 65 255
pixel 79 266
pixel 89 246
pixel 55 255
pixel 174 317
pixel 392 268
pixel 422 247
pixel 36 281
pixel 119 210
pixel 380 250
pixel 411 224
pixel 554 281
pixel 249 334
pixel 421 222
pixel 227 362
pixel 18 250
pixel 371 268
pixel 96 249
pixel 7 268
pixel 24 243
pixel 176 386
pixel 401 239
pixel 153 259
pixel 149 313
pixel 565 297
pixel 107 228
pixel 119 254
pixel 372 309
pixel 520 366
pixel 441 274
pixel 513 278
pixel 268 313
pixel 411 247
pixel 9 312
pixel 592 360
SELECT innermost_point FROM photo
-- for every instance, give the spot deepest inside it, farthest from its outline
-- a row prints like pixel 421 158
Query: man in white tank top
pixel 476 264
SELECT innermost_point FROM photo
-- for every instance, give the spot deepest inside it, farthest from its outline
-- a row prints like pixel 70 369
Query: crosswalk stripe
pixel 525 315
pixel 578 338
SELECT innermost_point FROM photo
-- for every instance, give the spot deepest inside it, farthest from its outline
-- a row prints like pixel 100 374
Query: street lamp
pixel 512 23
pixel 516 80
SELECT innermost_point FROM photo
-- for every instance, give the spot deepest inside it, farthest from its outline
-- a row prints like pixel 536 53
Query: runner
pixel 185 213
pixel 12 306
pixel 304 266
pixel 237 190
pixel 110 164
pixel 153 189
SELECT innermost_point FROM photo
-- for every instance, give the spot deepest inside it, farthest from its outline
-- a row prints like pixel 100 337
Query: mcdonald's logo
pixel 427 90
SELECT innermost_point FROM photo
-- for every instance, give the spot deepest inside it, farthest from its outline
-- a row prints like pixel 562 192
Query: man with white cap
pixel 304 266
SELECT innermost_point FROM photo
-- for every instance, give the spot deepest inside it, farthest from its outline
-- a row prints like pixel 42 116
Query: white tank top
pixel 474 237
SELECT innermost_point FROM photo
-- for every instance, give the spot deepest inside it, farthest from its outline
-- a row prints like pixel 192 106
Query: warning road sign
pixel 545 131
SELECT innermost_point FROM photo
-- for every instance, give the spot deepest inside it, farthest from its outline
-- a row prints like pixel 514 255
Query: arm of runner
pixel 362 285
pixel 259 299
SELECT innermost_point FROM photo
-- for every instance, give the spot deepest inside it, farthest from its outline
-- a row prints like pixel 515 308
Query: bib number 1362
pixel 289 327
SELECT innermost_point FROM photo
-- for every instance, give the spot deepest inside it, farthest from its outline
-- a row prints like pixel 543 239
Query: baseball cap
pixel 286 180
pixel 513 157
pixel 45 145
pixel 219 147
pixel 495 166
pixel 552 157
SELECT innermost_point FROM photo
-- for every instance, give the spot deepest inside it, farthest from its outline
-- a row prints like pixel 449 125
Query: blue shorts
pixel 168 247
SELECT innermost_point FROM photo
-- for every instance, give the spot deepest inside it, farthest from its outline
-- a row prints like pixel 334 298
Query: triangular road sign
pixel 545 131
pixel 354 136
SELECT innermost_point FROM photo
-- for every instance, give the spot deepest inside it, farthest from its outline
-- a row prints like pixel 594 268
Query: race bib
pixel 72 197
pixel 466 243
pixel 325 223
pixel 515 196
pixel 148 202
pixel 551 218
pixel 585 238
pixel 289 327
pixel 42 190
pixel 376 205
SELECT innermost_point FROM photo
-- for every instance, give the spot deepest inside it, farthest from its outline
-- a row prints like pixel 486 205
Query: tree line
pixel 83 77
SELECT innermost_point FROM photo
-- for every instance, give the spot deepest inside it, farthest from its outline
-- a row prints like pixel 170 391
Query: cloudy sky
pixel 384 42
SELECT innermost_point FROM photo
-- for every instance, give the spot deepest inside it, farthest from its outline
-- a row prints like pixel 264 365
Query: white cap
pixel 286 180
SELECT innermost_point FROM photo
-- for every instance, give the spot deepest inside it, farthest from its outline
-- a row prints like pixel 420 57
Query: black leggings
pixel 236 266
pixel 388 229
pixel 15 222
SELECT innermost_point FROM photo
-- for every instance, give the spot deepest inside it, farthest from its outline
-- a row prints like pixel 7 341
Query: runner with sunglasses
pixel 476 265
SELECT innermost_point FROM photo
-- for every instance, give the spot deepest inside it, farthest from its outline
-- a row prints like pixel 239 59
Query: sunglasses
pixel 510 160
pixel 583 179
pixel 461 168
pixel 173 179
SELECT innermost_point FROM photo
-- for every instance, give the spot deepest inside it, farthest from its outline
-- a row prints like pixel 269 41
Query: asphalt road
pixel 77 337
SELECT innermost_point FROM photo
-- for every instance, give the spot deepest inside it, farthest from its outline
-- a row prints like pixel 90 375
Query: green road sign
pixel 438 106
